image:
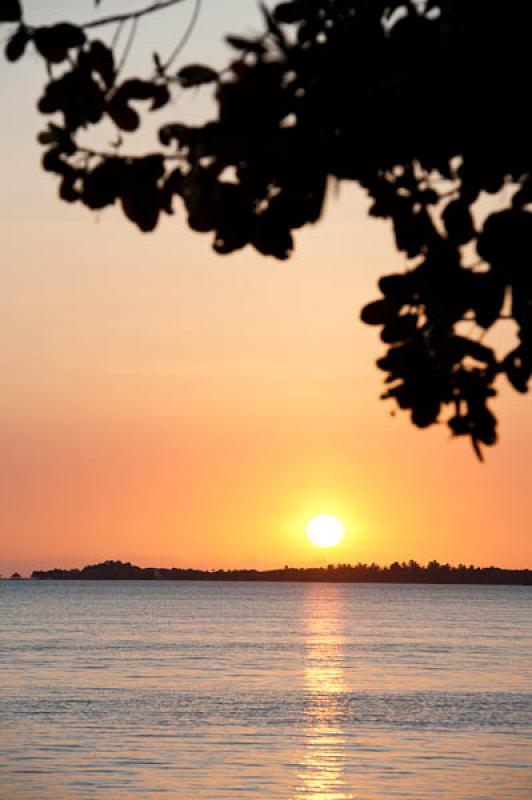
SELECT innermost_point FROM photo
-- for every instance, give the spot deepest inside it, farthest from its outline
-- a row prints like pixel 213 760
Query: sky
pixel 168 406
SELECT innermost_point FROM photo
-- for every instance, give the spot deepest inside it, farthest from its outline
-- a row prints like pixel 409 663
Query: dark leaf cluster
pixel 420 103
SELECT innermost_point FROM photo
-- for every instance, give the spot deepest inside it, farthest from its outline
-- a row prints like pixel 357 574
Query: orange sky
pixel 165 405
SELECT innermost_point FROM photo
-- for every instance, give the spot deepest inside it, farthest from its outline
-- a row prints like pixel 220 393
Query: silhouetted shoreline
pixel 410 572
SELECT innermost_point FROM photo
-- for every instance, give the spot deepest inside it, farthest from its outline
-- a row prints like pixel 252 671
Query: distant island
pixel 405 572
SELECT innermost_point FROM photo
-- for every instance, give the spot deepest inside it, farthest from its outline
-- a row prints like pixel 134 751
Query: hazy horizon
pixel 326 563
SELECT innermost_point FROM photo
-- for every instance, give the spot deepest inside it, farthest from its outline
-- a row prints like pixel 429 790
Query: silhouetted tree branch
pixel 130 15
pixel 423 104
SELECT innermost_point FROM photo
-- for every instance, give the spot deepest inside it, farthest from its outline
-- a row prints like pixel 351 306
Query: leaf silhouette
pixel 196 75
pixel 10 11
pixel 16 44
pixel 54 42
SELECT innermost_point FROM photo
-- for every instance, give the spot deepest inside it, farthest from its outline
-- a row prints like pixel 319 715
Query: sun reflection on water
pixel 321 767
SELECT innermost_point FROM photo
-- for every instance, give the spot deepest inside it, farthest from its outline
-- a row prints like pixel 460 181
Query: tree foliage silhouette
pixel 422 103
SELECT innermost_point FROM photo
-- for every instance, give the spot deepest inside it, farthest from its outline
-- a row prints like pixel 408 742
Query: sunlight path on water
pixel 194 691
pixel 322 764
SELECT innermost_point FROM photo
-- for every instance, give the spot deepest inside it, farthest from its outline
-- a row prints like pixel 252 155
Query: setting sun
pixel 325 530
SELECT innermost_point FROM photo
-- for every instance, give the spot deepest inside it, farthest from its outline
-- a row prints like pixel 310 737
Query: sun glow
pixel 325 530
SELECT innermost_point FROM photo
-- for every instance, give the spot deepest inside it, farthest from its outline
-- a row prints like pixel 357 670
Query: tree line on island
pixel 404 572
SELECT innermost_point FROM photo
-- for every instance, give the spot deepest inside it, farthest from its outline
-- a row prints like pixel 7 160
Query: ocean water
pixel 262 690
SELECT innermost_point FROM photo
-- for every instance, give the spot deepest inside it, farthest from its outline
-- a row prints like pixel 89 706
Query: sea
pixel 299 691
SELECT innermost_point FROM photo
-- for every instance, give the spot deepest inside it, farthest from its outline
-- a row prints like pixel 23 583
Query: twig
pixel 127 48
pixel 96 23
pixel 116 34
pixel 87 151
pixel 186 35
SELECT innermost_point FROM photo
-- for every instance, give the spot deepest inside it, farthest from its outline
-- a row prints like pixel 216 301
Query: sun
pixel 325 530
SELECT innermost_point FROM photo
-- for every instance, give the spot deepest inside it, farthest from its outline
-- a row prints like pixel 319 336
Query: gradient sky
pixel 169 406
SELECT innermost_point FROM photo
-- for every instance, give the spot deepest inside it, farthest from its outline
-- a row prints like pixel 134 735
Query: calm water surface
pixel 292 691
